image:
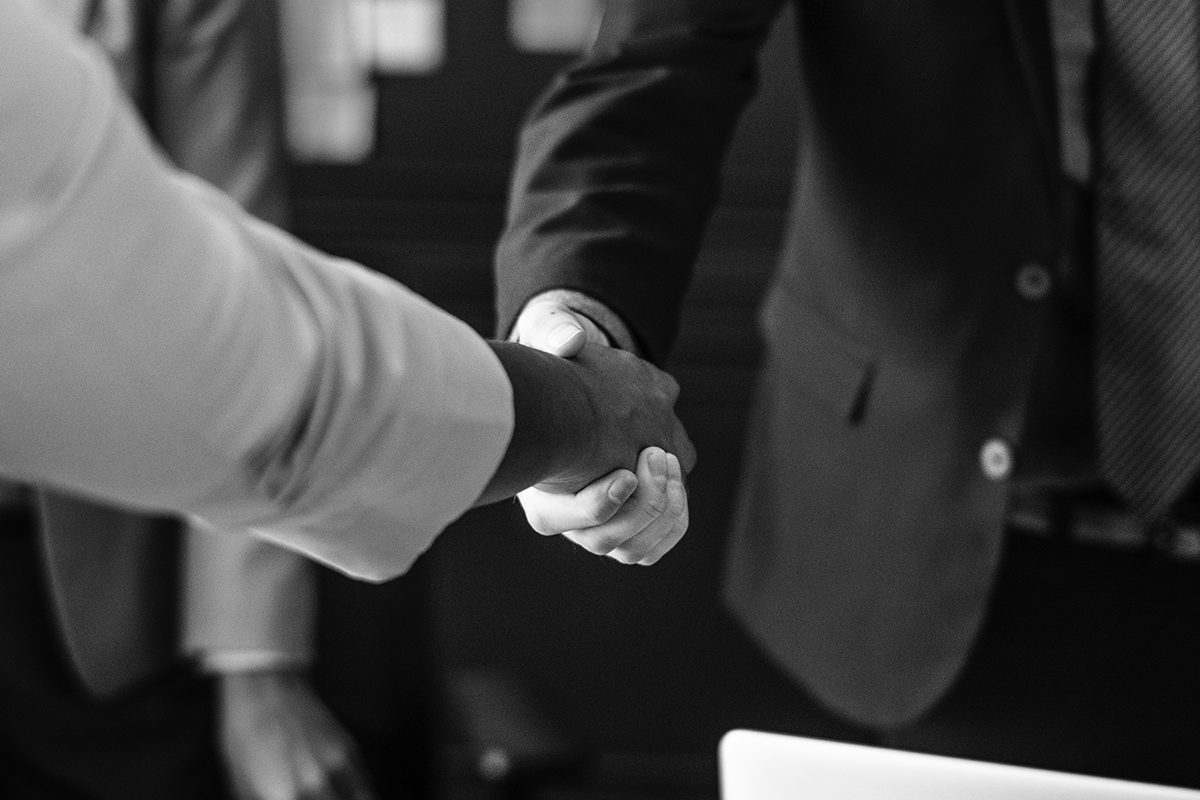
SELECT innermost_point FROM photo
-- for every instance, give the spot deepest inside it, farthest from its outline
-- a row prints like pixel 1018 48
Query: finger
pixel 550 514
pixel 315 759
pixel 550 326
pixel 667 528
pixel 329 765
pixel 640 516
pixel 675 484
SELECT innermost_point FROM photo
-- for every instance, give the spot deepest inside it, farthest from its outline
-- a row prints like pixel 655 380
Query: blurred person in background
pixel 134 720
pixel 166 351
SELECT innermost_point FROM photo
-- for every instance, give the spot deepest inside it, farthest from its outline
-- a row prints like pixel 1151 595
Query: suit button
pixel 996 459
pixel 1033 281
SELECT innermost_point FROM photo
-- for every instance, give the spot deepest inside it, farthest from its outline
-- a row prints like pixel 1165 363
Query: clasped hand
pixel 632 516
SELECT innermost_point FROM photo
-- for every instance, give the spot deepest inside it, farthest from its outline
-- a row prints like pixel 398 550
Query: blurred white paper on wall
pixel 400 36
pixel 553 26
pixel 329 99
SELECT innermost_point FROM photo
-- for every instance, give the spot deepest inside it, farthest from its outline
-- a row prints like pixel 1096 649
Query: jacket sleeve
pixel 216 98
pixel 619 161
pixel 163 349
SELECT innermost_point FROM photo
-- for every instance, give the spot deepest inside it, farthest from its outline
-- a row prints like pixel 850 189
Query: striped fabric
pixel 1148 250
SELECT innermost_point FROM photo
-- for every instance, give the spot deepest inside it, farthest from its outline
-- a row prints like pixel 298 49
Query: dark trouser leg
pixel 374 670
pixel 1089 662
pixel 58 742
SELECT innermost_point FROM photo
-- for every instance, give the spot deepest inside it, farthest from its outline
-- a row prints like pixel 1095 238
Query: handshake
pixel 597 428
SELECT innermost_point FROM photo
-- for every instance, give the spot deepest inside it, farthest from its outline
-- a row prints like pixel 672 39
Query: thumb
pixel 550 326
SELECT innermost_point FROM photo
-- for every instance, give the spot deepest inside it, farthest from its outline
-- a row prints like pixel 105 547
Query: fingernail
pixel 658 465
pixel 622 488
pixel 561 335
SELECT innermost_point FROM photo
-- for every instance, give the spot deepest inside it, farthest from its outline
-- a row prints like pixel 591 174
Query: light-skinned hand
pixel 552 327
pixel 634 519
pixel 280 742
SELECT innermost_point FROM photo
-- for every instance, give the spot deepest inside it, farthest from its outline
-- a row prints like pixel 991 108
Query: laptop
pixel 769 766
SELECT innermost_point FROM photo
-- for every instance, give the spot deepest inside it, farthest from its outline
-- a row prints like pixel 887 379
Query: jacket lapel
pixel 1029 25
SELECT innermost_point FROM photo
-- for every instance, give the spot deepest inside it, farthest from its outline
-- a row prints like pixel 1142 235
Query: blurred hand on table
pixel 280 742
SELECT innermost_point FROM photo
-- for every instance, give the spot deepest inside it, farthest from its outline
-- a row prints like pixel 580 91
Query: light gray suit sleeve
pixel 215 95
pixel 164 350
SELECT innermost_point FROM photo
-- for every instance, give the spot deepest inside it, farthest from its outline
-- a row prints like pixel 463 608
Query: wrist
pixel 554 420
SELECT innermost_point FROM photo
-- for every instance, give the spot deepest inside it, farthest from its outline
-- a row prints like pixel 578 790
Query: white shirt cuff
pixel 602 315
pixel 224 662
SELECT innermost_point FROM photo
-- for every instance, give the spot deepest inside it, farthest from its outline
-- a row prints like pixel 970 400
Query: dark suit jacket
pixel 897 340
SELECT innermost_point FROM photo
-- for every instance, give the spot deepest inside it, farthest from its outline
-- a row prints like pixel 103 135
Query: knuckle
pixel 675 507
pixel 597 513
pixel 654 506
pixel 606 509
pixel 594 547
pixel 585 540
pixel 623 556
pixel 605 544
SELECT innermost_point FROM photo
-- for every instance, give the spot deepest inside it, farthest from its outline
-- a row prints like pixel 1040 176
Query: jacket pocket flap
pixel 826 365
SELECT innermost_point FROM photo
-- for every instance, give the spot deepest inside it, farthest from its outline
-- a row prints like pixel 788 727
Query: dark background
pixel 640 666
